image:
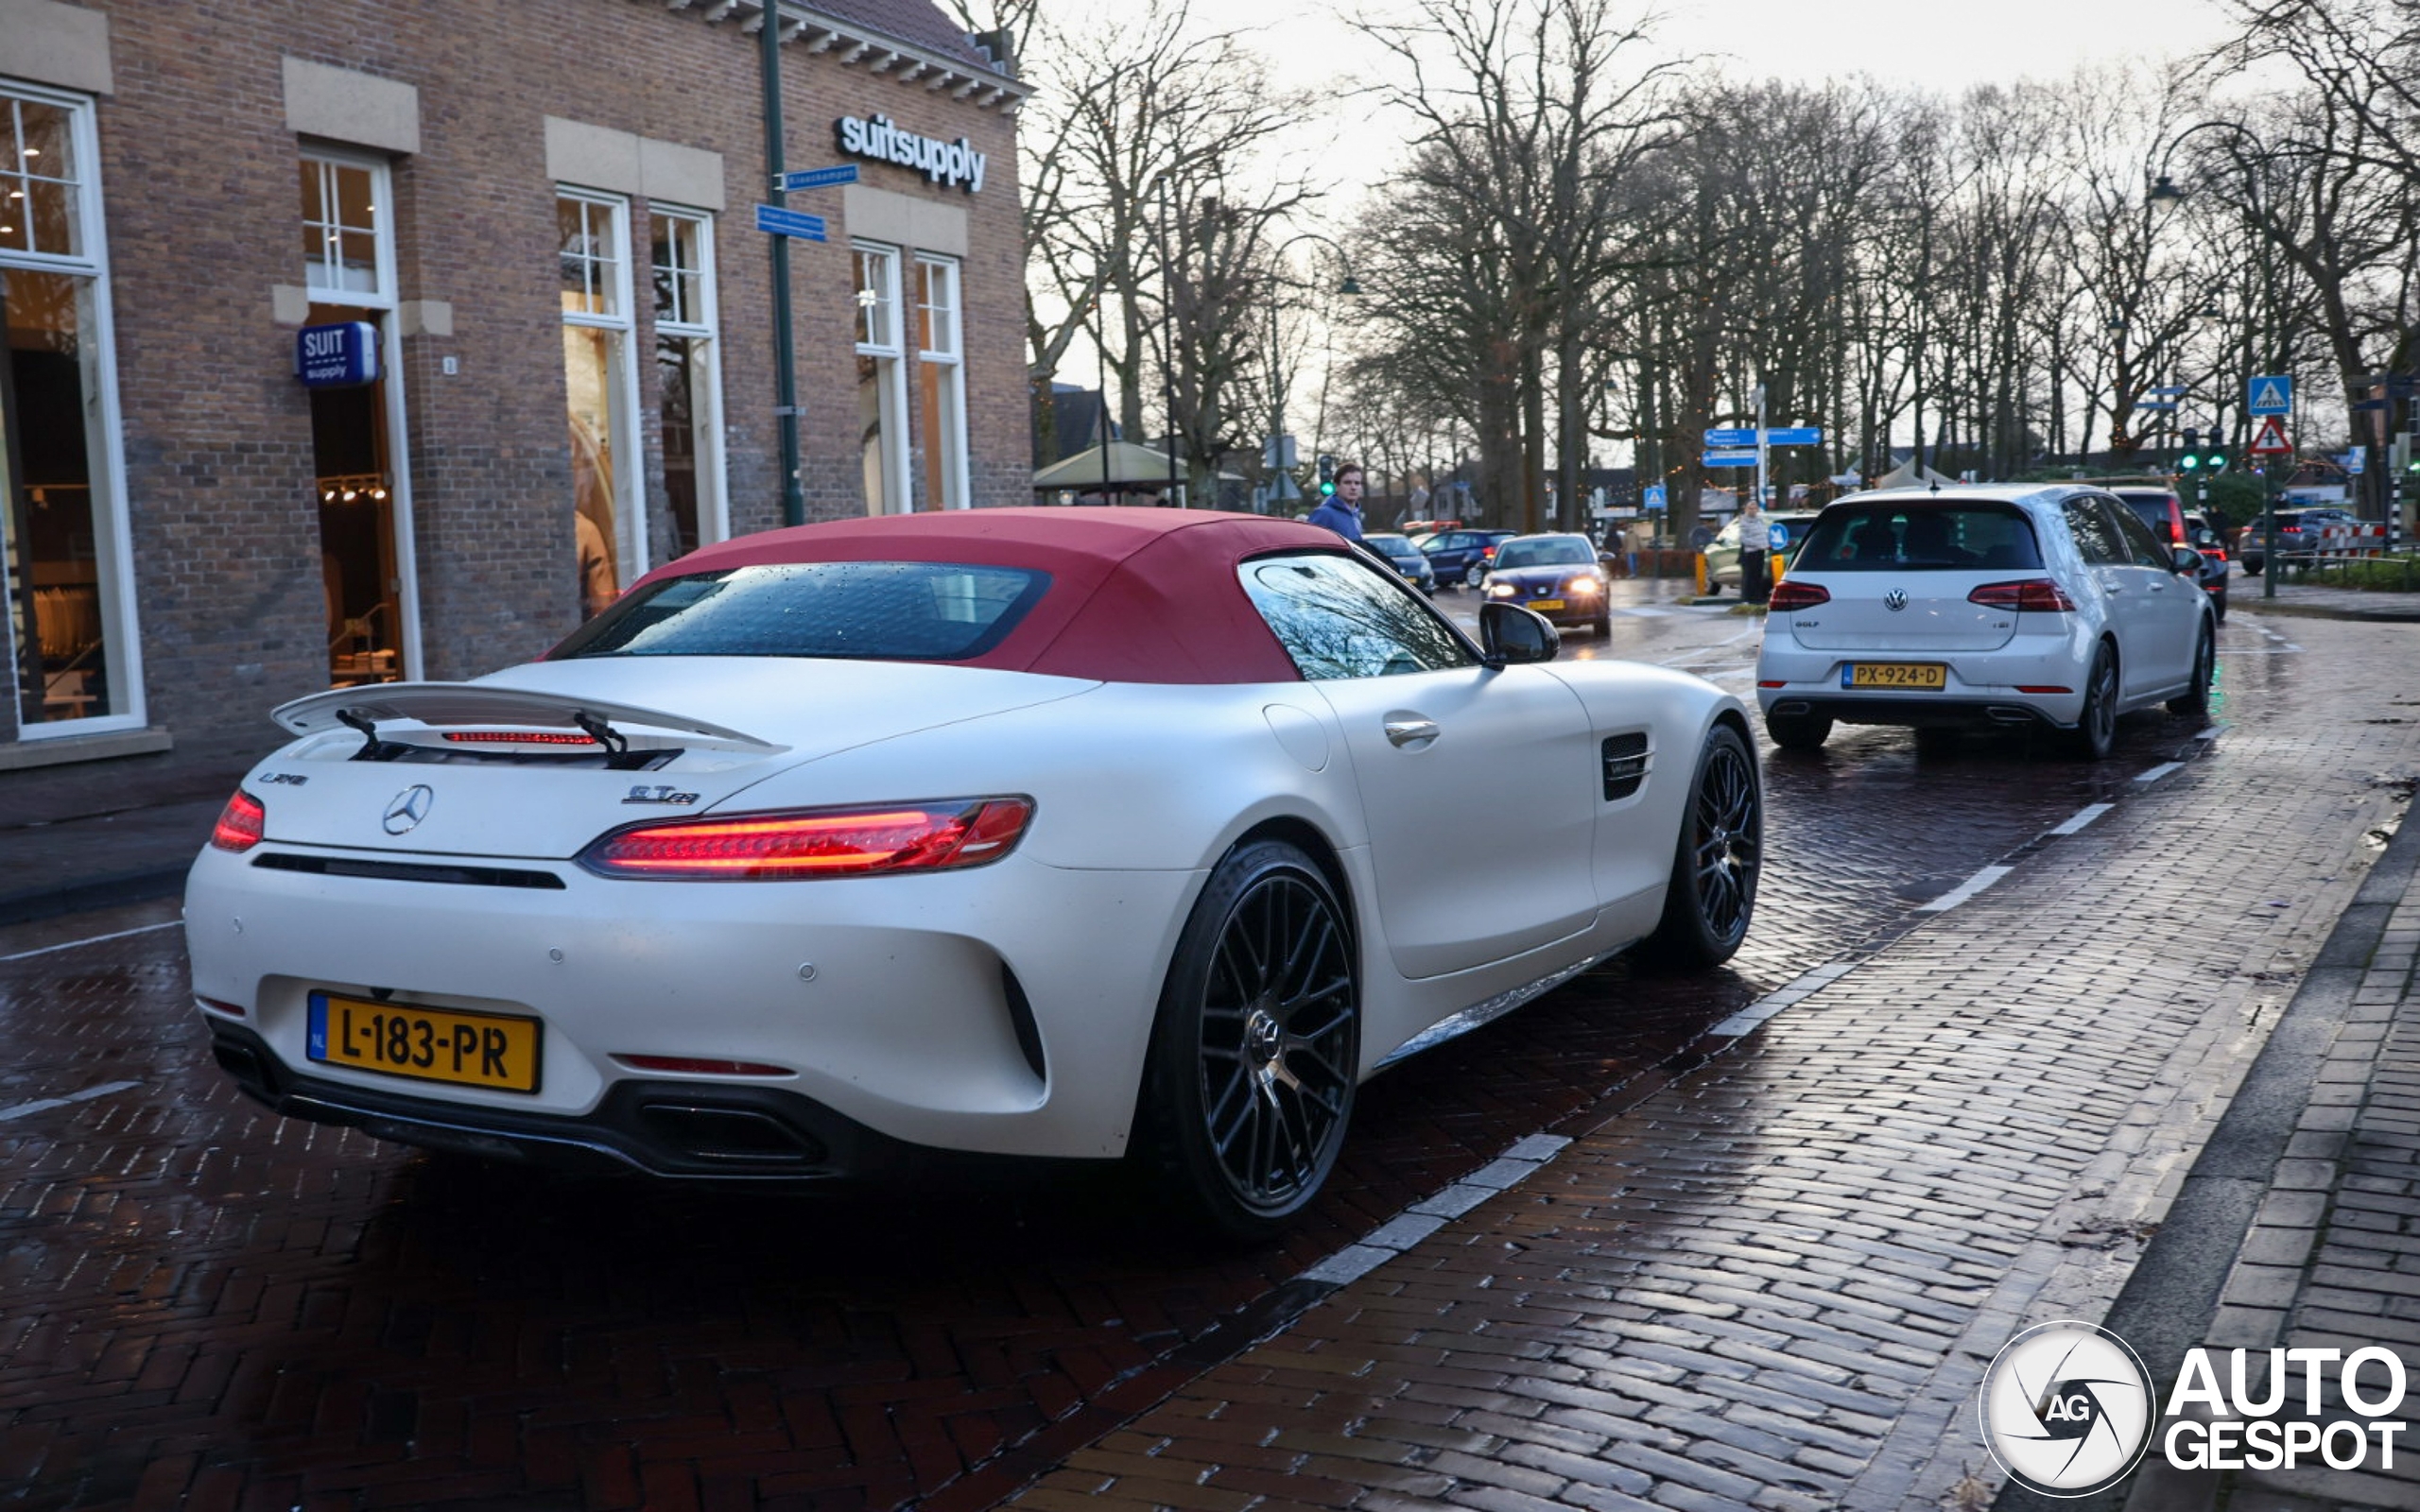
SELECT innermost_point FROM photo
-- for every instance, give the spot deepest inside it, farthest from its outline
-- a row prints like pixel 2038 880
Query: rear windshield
pixel 1387 545
pixel 2152 508
pixel 1889 538
pixel 879 610
pixel 1544 554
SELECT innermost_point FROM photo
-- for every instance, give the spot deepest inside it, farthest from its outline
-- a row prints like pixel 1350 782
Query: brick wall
pixel 202 219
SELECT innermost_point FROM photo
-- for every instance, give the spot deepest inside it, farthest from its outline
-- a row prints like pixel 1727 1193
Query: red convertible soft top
pixel 1137 595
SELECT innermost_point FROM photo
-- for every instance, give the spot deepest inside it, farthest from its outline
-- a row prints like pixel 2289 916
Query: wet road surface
pixel 202 1306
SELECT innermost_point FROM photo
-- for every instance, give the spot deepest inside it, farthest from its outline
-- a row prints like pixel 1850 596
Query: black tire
pixel 1713 587
pixel 1604 627
pixel 2097 728
pixel 2252 569
pixel 1712 893
pixel 1938 740
pixel 2194 702
pixel 1250 1083
pixel 1798 732
pixel 1474 574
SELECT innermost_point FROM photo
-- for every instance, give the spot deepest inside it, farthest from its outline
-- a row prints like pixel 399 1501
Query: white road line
pixel 2159 771
pixel 69 945
pixel 2082 817
pixel 1521 1160
pixel 45 1103
pixel 1964 891
pixel 1782 997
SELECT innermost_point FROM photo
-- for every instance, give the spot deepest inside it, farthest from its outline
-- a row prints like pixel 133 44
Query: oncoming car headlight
pixel 1497 590
pixel 1584 586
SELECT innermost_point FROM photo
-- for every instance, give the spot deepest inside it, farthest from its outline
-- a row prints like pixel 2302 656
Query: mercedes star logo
pixel 1895 600
pixel 407 808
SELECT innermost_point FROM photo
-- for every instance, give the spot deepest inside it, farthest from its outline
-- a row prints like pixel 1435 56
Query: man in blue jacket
pixel 1342 513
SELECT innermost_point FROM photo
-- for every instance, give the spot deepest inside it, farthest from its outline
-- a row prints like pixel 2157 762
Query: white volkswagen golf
pixel 1976 607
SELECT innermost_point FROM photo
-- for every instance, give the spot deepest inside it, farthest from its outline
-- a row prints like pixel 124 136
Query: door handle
pixel 1411 731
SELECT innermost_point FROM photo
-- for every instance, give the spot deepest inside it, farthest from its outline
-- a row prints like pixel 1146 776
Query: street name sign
pixel 818 178
pixel 1746 459
pixel 2270 437
pixel 1784 436
pixel 781 222
pixel 2273 394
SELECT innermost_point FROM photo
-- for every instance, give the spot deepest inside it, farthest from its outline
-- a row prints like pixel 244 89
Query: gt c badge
pixel 407 808
pixel 659 795
pixel 1895 600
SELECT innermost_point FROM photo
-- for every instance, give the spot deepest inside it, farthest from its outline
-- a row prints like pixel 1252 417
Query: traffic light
pixel 2190 458
pixel 2202 457
pixel 1327 476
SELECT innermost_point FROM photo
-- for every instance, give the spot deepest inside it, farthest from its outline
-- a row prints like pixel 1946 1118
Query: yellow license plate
pixel 1543 605
pixel 1928 675
pixel 428 1044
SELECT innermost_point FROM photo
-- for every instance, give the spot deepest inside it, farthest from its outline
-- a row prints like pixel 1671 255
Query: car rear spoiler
pixel 471 703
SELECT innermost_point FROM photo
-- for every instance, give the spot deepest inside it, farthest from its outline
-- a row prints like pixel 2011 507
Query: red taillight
pixel 821 843
pixel 1790 593
pixel 2036 595
pixel 240 823
pixel 692 1067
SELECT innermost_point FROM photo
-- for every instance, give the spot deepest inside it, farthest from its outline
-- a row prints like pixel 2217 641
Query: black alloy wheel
pixel 2194 702
pixel 2097 728
pixel 1258 1039
pixel 1712 893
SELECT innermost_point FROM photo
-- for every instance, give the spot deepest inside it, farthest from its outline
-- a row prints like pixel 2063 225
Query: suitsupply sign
pixel 878 137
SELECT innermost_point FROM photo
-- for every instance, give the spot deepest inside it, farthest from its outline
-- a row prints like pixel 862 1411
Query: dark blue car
pixel 1461 557
pixel 1399 553
pixel 1559 576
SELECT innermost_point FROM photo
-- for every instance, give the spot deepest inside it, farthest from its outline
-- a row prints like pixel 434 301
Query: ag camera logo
pixel 2066 1409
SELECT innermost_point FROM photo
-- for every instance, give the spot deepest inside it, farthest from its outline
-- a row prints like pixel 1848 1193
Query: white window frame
pixel 629 499
pixel 897 498
pixel 705 381
pixel 112 543
pixel 955 491
pixel 390 367
pixel 382 203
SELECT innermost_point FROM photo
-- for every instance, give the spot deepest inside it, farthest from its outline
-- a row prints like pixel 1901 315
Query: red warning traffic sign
pixel 2270 436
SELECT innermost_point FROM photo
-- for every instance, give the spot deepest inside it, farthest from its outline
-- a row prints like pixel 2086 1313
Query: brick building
pixel 532 223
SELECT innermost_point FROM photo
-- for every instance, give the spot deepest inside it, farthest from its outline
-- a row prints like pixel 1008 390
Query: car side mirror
pixel 2184 559
pixel 1509 633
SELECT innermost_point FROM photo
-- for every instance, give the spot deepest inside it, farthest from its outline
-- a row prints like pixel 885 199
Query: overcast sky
pixel 1947 43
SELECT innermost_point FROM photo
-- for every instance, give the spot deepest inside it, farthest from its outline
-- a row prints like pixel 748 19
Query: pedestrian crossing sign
pixel 2273 395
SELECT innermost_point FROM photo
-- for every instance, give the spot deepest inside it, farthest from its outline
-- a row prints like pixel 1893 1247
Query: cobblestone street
pixel 1688 1242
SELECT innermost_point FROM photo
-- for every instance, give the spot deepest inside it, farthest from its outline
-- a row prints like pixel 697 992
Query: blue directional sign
pixel 2271 395
pixel 1730 459
pixel 782 222
pixel 1782 435
pixel 1652 496
pixel 819 178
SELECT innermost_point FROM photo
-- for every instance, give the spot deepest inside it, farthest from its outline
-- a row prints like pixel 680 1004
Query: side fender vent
pixel 1626 764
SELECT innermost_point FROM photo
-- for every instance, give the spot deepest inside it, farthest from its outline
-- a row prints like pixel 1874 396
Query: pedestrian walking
pixel 1342 513
pixel 1633 536
pixel 1754 538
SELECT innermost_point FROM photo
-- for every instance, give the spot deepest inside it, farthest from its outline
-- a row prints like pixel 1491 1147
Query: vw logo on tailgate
pixel 1895 600
pixel 407 808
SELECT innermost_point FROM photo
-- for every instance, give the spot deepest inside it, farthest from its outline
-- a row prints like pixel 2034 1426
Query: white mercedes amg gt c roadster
pixel 1035 832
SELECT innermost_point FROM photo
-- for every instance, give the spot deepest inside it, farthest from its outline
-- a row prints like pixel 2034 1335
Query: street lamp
pixel 1350 288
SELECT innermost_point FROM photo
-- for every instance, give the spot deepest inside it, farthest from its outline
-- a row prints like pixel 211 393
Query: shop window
pixel 688 380
pixel 882 380
pixel 941 375
pixel 68 634
pixel 349 263
pixel 601 383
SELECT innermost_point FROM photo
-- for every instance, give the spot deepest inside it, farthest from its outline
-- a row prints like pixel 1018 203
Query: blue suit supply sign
pixel 344 355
